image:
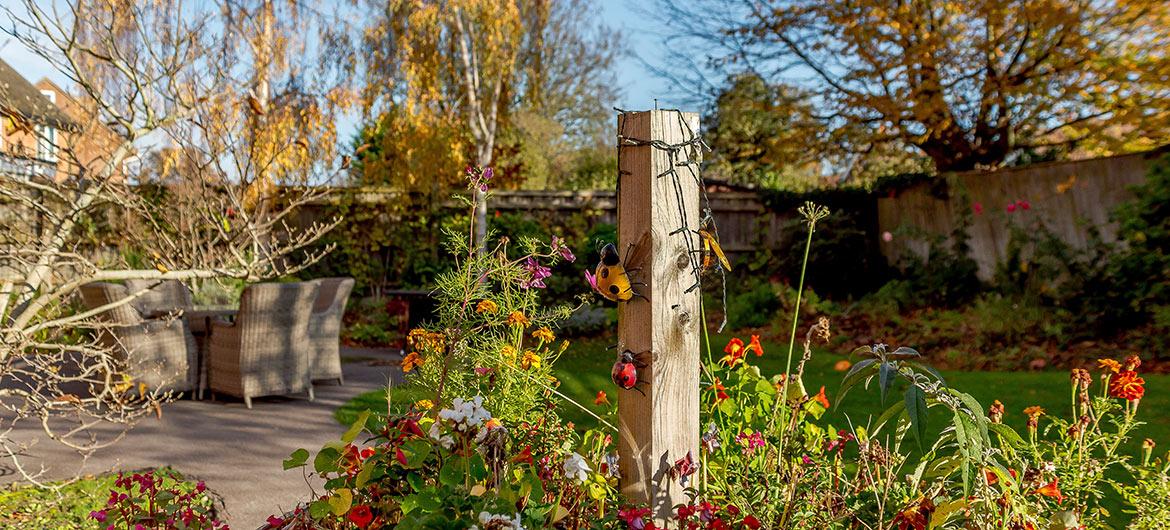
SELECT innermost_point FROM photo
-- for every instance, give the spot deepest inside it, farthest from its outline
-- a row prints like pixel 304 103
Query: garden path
pixel 236 451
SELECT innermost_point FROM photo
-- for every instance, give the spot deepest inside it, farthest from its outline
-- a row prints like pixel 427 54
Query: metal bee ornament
pixel 625 371
pixel 611 279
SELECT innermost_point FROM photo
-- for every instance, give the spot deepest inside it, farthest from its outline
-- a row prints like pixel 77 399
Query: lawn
pixel 584 369
pixel 65 508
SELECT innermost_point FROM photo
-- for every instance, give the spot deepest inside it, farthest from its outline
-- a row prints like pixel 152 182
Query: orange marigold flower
pixel 1081 377
pixel 755 346
pixel 1132 362
pixel 995 413
pixel 486 306
pixel 531 359
pixel 424 404
pixel 1109 364
pixel 518 319
pixel 842 365
pixel 412 361
pixel 544 334
pixel 822 398
pixel 1052 490
pixel 601 398
pixel 1127 385
pixel 1033 413
pixel 508 352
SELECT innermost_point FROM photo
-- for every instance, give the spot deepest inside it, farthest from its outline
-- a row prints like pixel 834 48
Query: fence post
pixel 658 211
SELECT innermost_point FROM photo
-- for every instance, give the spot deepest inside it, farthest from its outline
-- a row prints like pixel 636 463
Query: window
pixel 46 135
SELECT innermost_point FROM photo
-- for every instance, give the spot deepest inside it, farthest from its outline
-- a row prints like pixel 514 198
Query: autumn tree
pixel 968 83
pixel 169 84
pixel 511 83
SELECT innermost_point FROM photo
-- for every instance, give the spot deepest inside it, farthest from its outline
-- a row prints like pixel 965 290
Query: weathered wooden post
pixel 658 212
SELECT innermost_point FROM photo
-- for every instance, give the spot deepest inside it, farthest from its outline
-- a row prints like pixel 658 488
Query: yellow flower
pixel 412 361
pixel 531 359
pixel 508 352
pixel 518 319
pixel 544 334
pixel 424 404
pixel 486 306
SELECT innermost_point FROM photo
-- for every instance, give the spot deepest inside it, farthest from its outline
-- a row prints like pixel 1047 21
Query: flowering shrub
pixel 458 467
pixel 491 337
pixel 157 500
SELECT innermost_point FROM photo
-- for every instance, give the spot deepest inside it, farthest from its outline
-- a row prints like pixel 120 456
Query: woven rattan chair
pixel 159 352
pixel 162 297
pixel 325 328
pixel 265 351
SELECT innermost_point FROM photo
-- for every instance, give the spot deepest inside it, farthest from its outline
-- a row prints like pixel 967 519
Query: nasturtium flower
pixel 822 398
pixel 486 306
pixel 1052 490
pixel 720 391
pixel 517 319
pixel 412 361
pixel 601 398
pixel 1127 385
pixel 361 515
pixel 755 346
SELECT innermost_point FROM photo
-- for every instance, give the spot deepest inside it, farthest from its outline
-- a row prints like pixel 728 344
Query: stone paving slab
pixel 236 451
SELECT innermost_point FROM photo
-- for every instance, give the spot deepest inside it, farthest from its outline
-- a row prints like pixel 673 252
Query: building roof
pixel 18 96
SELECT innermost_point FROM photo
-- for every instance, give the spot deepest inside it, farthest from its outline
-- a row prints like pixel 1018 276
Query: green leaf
pixel 928 369
pixel 1008 434
pixel 363 476
pixel 855 375
pixel 890 413
pixel 356 427
pixel 861 349
pixel 326 460
pixel 453 471
pixel 904 353
pixel 417 483
pixel 886 378
pixel 340 501
pixel 296 459
pixel 319 509
pixel 916 409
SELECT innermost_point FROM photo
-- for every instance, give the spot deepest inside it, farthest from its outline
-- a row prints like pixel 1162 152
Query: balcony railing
pixel 24 167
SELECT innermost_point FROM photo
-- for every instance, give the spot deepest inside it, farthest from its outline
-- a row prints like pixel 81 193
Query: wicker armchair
pixel 264 352
pixel 163 297
pixel 325 327
pixel 159 352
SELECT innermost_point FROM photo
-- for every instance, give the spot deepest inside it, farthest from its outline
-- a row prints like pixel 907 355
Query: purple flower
pixel 98 515
pixel 488 174
pixel 536 274
pixel 558 245
pixel 750 442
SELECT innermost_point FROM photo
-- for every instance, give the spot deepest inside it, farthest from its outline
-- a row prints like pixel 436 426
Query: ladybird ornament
pixel 611 279
pixel 625 371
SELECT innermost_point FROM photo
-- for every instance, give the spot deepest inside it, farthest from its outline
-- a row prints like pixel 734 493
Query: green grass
pixel 64 508
pixel 584 369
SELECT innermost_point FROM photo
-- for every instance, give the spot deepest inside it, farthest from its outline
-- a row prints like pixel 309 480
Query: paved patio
pixel 236 451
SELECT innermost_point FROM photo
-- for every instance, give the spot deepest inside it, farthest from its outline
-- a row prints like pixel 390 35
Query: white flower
pixel 493 521
pixel 466 415
pixel 577 468
pixel 444 440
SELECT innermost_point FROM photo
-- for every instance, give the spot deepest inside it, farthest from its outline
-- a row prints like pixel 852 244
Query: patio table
pixel 207 314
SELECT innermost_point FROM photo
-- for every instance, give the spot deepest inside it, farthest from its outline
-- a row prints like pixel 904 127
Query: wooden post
pixel 662 426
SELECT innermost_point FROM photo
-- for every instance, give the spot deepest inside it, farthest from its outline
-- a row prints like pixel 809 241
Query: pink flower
pixel 977 207
pixel 1011 207
pixel 558 245
pixel 750 442
pixel 591 279
pixel 275 521
pixel 1024 205
pixel 887 236
pixel 98 515
pixel 536 274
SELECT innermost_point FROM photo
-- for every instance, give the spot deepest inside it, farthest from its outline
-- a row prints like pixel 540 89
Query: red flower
pixel 634 517
pixel 916 516
pixel 977 207
pixel 735 352
pixel 361 515
pixel 601 398
pixel 719 389
pixel 524 456
pixel 822 398
pixel 1127 385
pixel 734 346
pixel 755 346
pixel 400 456
pixel 1011 207
pixel 751 522
pixel 1024 205
pixel 273 521
pixel 1052 489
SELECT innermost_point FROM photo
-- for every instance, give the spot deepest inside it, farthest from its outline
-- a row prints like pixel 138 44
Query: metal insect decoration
pixel 611 278
pixel 625 371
